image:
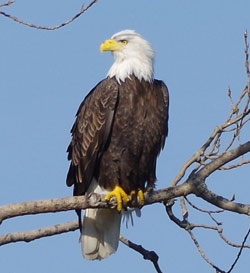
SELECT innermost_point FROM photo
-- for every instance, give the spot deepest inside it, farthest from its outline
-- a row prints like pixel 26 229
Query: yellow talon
pixel 140 197
pixel 120 195
pixel 133 192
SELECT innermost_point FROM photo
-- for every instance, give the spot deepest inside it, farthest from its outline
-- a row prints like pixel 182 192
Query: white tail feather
pixel 100 229
pixel 100 233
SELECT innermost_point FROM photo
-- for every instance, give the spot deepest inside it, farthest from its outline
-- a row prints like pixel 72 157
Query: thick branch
pixel 52 205
pixel 83 202
pixel 72 226
pixel 221 202
pixel 201 190
pixel 195 184
pixel 31 235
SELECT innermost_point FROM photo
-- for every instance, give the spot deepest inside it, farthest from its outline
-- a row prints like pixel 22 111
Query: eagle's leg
pixel 140 196
pixel 120 195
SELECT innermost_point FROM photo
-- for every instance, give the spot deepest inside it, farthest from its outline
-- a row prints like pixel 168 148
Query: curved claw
pixel 120 195
pixel 140 196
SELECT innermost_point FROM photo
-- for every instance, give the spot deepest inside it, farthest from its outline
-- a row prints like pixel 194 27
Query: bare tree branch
pixel 209 212
pixel 189 227
pixel 241 163
pixel 247 61
pixel 72 226
pixel 202 253
pixel 28 236
pixel 147 255
pixel 221 202
pixel 194 184
pixel 82 10
pixel 229 242
pixel 223 159
pixel 186 225
pixel 7 4
pixel 214 138
pixel 203 210
pixel 82 202
pixel 52 205
pixel 238 256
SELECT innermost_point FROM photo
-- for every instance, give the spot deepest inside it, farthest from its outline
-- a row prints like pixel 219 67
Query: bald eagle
pixel 118 133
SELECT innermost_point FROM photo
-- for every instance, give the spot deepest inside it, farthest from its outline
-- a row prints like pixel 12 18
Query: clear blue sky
pixel 46 74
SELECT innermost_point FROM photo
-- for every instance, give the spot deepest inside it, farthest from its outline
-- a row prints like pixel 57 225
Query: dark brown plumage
pixel 119 131
pixel 118 134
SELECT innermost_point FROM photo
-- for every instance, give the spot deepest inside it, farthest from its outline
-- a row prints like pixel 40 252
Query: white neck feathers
pixel 140 68
pixel 136 58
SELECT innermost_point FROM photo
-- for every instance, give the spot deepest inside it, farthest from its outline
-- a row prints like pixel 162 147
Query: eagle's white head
pixel 132 54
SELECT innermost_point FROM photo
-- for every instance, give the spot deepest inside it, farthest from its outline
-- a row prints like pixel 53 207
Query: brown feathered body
pixel 118 133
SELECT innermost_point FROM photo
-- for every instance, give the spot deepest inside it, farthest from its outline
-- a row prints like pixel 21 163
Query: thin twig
pixel 241 163
pixel 203 210
pixel 189 226
pixel 202 253
pixel 183 208
pixel 7 4
pixel 196 157
pixel 238 256
pixel 209 212
pixel 229 242
pixel 224 159
pixel 247 61
pixel 147 255
pixel 82 10
pixel 233 108
pixel 186 225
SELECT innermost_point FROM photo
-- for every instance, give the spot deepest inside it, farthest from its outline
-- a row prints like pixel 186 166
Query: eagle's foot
pixel 121 197
pixel 140 196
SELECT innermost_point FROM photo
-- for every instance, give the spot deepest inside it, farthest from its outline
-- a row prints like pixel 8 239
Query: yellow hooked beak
pixel 111 45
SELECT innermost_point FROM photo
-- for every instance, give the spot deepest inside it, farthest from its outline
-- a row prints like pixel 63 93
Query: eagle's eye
pixel 124 42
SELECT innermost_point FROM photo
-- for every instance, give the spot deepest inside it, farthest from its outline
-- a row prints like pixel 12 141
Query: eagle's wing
pixel 90 134
pixel 164 109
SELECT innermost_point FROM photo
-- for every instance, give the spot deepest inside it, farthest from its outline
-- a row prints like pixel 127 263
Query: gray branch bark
pixel 195 184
